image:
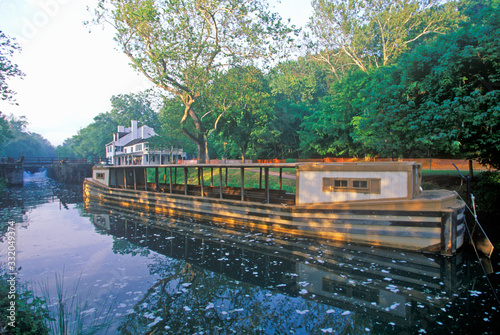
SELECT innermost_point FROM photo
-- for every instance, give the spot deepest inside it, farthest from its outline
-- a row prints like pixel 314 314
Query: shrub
pixel 31 312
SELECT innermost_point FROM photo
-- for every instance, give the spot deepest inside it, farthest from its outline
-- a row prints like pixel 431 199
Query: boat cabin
pixel 315 183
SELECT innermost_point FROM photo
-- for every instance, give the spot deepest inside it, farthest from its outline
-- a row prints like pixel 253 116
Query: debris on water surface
pixel 302 312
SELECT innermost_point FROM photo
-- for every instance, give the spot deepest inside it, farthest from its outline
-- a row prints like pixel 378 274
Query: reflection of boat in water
pixel 371 203
pixel 395 286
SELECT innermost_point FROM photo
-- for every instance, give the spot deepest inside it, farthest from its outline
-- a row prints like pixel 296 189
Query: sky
pixel 73 70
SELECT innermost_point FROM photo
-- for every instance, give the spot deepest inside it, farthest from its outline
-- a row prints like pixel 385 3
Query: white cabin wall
pixel 394 184
pixel 96 172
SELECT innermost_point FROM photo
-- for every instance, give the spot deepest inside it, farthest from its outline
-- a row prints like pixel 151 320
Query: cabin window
pixel 369 185
pixel 99 175
pixel 340 183
pixel 360 183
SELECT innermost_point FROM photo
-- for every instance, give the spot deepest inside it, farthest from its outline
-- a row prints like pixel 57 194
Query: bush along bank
pixel 22 312
pixel 485 188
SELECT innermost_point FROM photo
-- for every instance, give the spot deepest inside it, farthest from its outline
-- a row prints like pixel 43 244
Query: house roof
pixel 136 141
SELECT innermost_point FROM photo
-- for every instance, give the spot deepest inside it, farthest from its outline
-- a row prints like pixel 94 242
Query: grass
pixel 444 172
pixel 69 314
pixel 233 177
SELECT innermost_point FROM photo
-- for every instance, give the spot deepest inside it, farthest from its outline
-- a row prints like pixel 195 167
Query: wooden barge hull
pixel 434 222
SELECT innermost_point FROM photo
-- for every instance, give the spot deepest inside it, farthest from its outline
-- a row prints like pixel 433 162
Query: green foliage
pixel 440 98
pixel 407 78
pixel 373 33
pixel 296 88
pixel 181 46
pixel 8 47
pixel 5 133
pixel 328 130
pixel 31 312
pixel 485 190
pixel 242 102
pixel 22 142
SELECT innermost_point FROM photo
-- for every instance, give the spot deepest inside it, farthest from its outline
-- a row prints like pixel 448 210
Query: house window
pixel 369 185
pixel 138 147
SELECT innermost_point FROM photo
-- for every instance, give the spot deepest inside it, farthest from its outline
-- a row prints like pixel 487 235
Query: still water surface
pixel 140 273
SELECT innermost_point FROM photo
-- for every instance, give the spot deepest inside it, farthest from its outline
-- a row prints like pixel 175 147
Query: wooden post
pixel 266 182
pixel 125 177
pixel 185 180
pixel 225 184
pixel 157 180
pixel 170 177
pixel 201 181
pixel 281 176
pixel 135 179
pixel 220 182
pixel 242 175
pixel 471 169
pixel 146 179
pixel 211 176
pixel 260 177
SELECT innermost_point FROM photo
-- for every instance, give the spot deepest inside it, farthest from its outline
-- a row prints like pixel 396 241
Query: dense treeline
pixel 16 140
pixel 400 78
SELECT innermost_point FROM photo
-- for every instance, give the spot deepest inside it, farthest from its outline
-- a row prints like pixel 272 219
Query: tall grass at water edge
pixel 68 313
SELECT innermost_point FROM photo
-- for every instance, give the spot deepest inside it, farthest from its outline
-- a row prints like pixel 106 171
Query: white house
pixel 130 146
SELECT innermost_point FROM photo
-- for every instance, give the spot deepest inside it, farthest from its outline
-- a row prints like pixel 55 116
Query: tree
pixel 243 102
pixel 5 133
pixel 373 33
pixel 180 45
pixel 442 97
pixel 8 70
pixel 328 130
pixel 23 142
pixel 296 86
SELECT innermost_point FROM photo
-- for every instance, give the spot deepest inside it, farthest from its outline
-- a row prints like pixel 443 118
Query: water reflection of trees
pixel 16 202
pixel 189 299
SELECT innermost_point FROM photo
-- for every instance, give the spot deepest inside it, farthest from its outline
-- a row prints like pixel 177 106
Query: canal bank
pixel 11 173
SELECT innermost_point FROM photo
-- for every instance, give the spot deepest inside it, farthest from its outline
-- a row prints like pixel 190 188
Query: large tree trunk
pixel 243 150
pixel 199 139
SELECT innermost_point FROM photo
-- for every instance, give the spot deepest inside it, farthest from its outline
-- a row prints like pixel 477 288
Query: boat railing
pixel 228 192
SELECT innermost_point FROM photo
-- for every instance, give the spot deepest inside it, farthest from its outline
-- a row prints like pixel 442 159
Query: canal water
pixel 108 270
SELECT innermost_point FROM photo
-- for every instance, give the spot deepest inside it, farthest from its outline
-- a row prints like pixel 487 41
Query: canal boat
pixel 375 204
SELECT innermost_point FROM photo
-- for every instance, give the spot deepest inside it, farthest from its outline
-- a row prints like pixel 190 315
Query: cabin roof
pixel 302 166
